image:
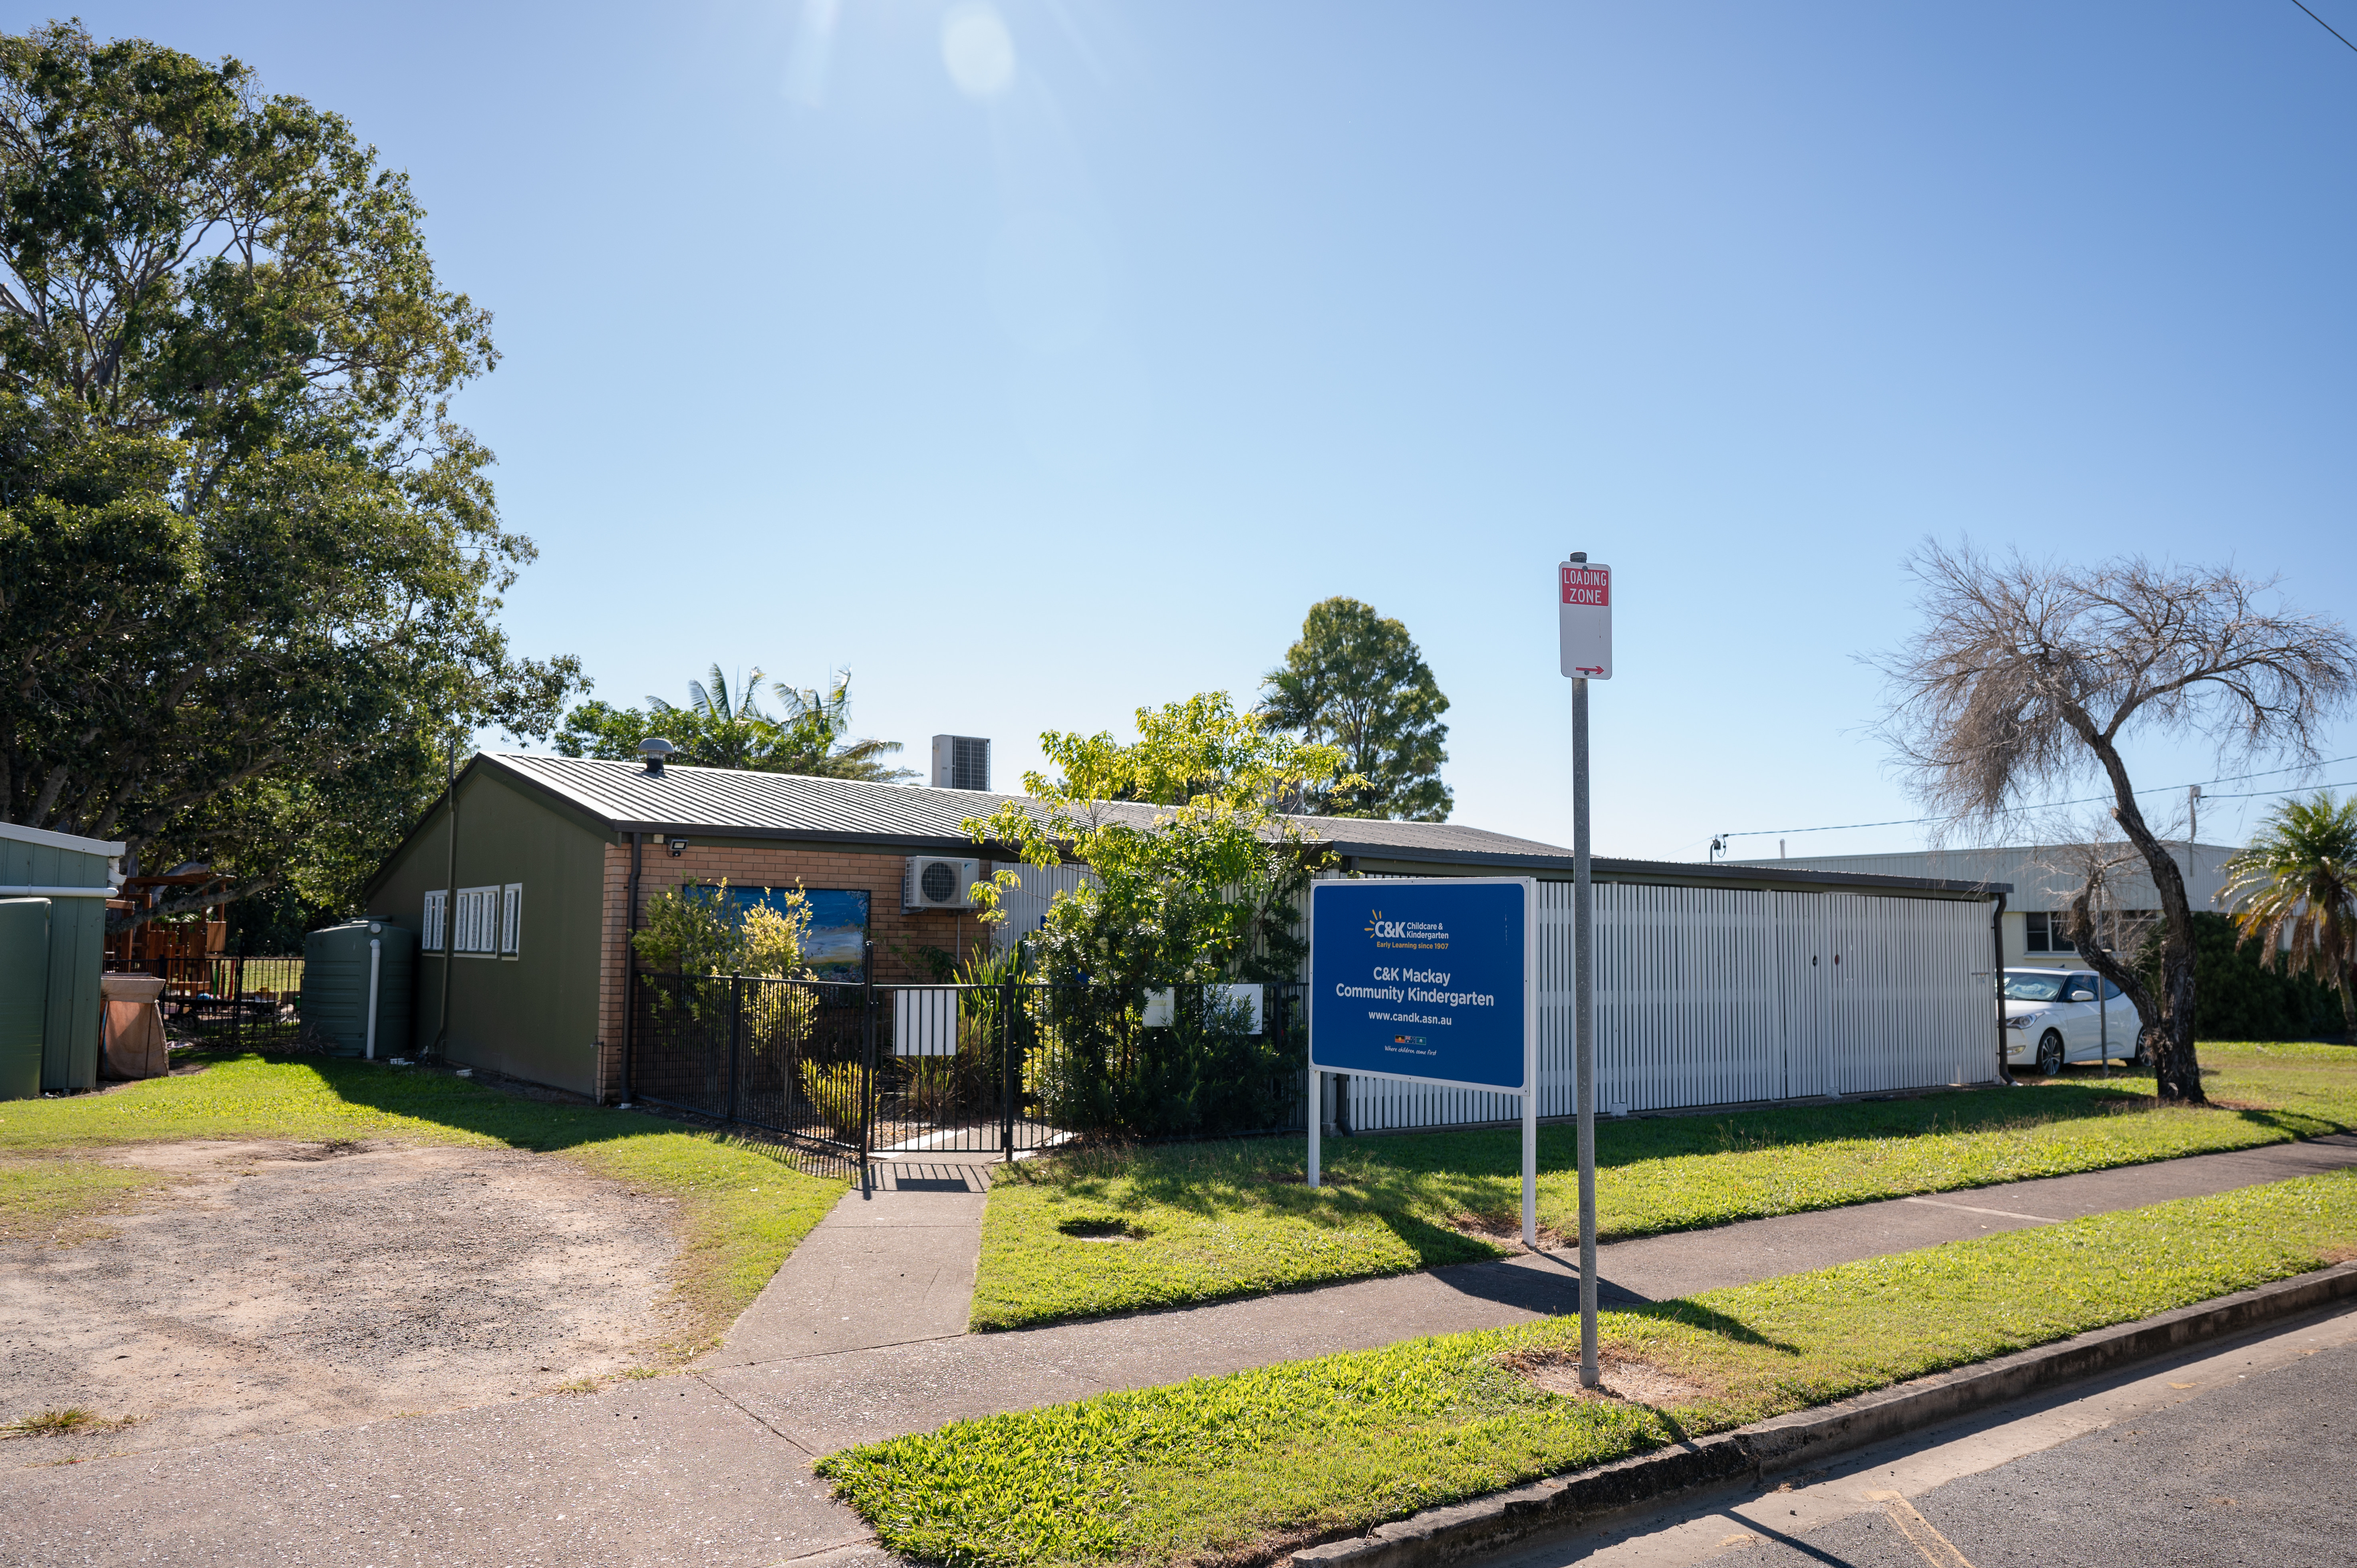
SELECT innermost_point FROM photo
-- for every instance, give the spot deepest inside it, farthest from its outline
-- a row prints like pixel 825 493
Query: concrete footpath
pixel 860 1336
pixel 880 1387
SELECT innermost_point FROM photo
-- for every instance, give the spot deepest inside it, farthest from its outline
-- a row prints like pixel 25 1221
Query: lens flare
pixel 978 50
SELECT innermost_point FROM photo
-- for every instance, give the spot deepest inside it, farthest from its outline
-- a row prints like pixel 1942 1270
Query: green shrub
pixel 2238 997
pixel 832 1090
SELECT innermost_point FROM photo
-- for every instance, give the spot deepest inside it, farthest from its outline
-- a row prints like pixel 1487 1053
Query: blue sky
pixel 1044 358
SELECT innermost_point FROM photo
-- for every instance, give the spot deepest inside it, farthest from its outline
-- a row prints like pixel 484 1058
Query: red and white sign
pixel 1585 596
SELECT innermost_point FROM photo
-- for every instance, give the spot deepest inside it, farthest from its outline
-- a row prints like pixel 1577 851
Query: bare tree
pixel 2087 859
pixel 2027 678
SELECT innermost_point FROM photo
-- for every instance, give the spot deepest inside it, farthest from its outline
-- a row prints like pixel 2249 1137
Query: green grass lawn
pixel 1238 1468
pixel 1208 1221
pixel 744 1205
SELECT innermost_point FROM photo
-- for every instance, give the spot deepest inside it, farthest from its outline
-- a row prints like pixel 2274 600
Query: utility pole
pixel 450 892
pixel 2192 824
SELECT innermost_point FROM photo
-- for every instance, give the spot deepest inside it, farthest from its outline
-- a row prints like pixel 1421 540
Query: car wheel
pixel 2049 1053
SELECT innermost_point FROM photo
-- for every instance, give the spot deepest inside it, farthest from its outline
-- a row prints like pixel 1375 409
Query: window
pixel 2048 933
pixel 483 920
pixel 2033 986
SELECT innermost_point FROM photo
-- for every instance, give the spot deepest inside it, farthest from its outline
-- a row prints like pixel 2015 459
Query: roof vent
pixel 961 762
pixel 654 748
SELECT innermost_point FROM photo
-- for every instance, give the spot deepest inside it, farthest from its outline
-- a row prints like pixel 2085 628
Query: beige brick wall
pixel 897 935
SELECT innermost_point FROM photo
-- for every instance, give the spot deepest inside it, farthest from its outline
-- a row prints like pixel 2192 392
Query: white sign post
pixel 1585 608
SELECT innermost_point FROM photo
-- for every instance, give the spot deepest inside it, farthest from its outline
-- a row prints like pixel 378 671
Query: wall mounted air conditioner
pixel 936 882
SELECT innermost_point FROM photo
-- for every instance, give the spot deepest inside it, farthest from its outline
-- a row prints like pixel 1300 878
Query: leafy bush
pixel 2238 996
pixel 690 933
pixel 1094 1067
pixel 1203 889
pixel 832 1090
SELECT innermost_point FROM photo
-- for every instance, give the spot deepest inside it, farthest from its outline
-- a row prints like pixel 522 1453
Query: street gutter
pixel 1754 1454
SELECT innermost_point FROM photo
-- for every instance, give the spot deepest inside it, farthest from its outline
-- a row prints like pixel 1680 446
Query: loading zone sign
pixel 1430 979
pixel 1585 624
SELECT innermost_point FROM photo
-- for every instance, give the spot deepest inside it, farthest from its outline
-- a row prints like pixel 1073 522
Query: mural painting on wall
pixel 836 941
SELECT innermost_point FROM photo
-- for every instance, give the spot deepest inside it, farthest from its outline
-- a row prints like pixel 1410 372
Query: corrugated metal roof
pixel 627 797
pixel 690 800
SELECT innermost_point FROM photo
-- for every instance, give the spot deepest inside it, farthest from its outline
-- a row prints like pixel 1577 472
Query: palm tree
pixel 810 737
pixel 2295 888
pixel 729 733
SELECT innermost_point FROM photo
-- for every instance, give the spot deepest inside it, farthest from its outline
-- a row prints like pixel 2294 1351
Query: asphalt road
pixel 2238 1456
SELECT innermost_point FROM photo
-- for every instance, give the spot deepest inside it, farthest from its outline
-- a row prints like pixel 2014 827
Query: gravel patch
pixel 280 1287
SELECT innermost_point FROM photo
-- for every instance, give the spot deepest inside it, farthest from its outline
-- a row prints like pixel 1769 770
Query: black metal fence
pixel 856 1070
pixel 219 999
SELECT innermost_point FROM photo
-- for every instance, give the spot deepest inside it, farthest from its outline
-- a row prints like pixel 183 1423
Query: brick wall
pixel 897 935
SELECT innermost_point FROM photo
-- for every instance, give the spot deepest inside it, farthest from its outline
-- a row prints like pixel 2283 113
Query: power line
pixel 2325 24
pixel 2084 801
pixel 2260 794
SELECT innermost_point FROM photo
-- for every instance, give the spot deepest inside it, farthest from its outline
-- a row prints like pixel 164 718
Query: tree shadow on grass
pixel 516 1120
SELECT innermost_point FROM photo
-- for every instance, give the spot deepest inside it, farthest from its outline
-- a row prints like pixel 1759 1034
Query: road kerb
pixel 1766 1449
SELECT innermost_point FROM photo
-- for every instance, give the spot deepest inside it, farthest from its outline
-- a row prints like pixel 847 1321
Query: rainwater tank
pixel 343 966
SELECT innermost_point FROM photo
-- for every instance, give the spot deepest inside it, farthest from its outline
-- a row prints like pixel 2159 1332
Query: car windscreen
pixel 2033 987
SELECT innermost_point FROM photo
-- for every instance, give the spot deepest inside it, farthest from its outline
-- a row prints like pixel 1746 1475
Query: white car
pixel 2058 1016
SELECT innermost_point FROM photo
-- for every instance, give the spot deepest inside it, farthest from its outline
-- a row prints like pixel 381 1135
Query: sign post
pixel 1585 624
pixel 1429 981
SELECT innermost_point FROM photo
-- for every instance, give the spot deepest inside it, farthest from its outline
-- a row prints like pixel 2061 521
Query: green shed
pixel 77 876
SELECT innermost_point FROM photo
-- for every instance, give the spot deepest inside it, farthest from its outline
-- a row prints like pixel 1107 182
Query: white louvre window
pixel 476 921
pixel 511 919
pixel 432 923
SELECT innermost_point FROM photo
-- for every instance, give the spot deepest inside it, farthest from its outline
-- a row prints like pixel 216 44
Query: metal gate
pixel 859 1071
pixel 217 999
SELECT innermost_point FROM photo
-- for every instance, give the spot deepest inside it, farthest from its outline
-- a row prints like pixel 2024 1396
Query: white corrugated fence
pixel 1722 996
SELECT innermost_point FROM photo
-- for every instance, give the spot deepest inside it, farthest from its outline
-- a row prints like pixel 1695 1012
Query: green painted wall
pixel 77 955
pixel 533 1015
pixel 23 994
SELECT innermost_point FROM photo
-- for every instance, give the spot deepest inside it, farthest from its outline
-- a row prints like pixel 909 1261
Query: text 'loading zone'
pixel 1425 980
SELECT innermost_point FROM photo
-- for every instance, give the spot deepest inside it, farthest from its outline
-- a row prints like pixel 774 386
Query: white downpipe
pixel 29 892
pixel 376 957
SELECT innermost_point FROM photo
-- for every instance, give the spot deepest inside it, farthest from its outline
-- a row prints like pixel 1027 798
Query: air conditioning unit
pixel 961 762
pixel 937 883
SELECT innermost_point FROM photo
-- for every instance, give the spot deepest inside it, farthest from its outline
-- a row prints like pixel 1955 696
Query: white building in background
pixel 2038 906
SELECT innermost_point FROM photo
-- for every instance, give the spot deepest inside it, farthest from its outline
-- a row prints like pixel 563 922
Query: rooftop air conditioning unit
pixel 937 883
pixel 961 762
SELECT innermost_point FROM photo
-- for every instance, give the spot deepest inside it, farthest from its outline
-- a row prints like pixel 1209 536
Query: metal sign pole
pixel 1585 619
pixel 1583 937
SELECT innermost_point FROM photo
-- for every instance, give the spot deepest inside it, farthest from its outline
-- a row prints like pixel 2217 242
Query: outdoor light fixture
pixel 654 748
pixel 678 847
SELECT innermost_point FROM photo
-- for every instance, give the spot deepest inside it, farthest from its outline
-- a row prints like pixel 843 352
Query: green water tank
pixel 343 967
pixel 23 994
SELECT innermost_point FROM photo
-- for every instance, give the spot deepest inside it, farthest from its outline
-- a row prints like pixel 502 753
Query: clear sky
pixel 1040 358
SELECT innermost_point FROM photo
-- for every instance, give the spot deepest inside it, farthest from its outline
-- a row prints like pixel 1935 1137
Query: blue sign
pixel 1427 980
